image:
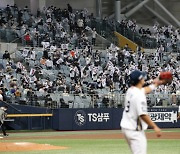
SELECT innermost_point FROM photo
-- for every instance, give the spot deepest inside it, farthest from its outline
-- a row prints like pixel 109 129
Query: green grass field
pixel 91 146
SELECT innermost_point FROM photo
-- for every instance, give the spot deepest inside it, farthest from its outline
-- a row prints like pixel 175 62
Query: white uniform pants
pixel 136 140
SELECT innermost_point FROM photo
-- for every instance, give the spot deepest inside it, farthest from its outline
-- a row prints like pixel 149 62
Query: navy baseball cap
pixel 136 76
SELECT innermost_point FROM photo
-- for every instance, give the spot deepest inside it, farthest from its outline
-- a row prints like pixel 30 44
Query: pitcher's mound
pixel 27 146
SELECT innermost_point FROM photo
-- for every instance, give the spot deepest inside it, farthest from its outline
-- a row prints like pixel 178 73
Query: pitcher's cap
pixel 136 76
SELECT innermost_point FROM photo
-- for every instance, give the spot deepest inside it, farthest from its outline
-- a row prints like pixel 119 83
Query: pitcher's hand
pixel 158 131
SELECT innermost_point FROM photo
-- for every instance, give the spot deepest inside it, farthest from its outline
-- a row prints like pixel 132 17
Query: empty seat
pixel 66 97
pixel 75 105
pixel 78 99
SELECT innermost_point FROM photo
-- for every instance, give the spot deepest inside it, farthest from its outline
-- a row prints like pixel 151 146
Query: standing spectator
pixel 94 33
pixel 69 8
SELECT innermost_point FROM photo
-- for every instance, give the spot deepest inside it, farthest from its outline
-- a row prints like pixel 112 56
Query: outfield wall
pixel 28 122
pixel 82 119
pixel 104 119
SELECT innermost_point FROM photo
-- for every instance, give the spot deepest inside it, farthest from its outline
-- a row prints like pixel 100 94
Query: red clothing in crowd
pixel 72 53
pixel 27 37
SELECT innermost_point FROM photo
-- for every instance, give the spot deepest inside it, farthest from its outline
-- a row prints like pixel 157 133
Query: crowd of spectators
pixel 35 75
pixel 81 71
pixel 64 26
pixel 166 36
pixel 50 26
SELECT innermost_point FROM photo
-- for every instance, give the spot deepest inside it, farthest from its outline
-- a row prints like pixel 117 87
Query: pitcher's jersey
pixel 135 105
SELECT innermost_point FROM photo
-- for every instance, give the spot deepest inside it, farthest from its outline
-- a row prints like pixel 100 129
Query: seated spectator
pixel 48 101
pixel 6 55
pixel 8 95
pixel 105 101
pixel 8 68
pixel 63 104
pixel 43 61
pixel 27 39
pixel 17 93
pixel 49 64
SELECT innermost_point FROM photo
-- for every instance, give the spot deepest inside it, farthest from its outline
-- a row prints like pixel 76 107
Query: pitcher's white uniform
pixel 132 125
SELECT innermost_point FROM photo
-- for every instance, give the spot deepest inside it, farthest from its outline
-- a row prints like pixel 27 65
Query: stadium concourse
pixel 59 66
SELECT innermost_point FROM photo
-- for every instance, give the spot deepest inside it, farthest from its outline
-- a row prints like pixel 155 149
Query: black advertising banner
pixel 103 119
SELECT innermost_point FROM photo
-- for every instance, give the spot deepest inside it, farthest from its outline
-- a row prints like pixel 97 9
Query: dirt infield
pixel 26 146
pixel 107 135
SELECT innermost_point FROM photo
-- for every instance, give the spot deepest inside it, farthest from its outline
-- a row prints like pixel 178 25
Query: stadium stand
pixel 59 67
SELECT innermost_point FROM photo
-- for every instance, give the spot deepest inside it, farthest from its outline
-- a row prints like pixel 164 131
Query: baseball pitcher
pixel 135 116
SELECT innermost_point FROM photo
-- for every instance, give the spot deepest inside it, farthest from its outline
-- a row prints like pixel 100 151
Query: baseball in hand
pixel 166 76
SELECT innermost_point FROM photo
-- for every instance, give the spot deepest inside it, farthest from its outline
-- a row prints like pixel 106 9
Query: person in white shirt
pixel 135 117
pixel 42 91
pixel 25 52
pixel 49 64
pixel 72 72
pixel 1 96
pixel 88 60
pixel 33 55
pixel 94 33
pixel 80 23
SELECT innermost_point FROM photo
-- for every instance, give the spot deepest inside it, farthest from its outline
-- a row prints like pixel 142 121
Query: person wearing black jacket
pixel 6 55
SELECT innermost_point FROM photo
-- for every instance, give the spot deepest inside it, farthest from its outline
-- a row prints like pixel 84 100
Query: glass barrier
pixel 87 100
